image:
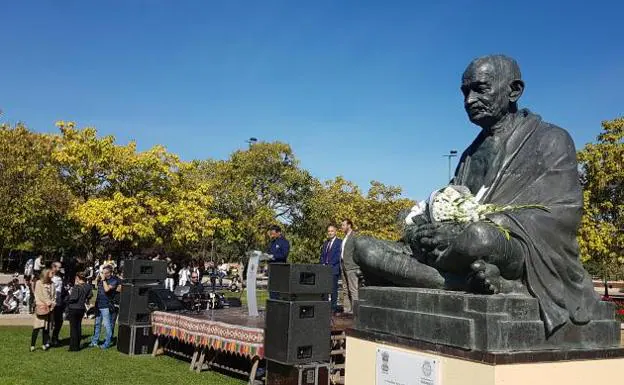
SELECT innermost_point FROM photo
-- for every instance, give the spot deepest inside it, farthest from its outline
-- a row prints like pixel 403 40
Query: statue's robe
pixel 536 165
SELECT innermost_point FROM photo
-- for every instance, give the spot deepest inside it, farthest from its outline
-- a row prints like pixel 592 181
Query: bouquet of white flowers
pixel 457 204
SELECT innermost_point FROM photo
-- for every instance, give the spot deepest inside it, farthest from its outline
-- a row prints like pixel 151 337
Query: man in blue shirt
pixel 278 248
pixel 107 287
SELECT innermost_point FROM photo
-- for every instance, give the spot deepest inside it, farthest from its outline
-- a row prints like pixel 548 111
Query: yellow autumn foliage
pixel 601 234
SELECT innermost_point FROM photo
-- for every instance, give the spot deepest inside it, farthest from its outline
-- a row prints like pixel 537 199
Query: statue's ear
pixel 516 87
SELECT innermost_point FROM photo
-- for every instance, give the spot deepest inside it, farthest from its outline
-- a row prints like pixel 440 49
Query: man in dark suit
pixel 330 256
pixel 350 279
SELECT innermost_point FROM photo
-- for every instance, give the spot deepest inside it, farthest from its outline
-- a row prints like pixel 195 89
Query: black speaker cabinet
pixel 135 339
pixel 133 303
pixel 314 373
pixel 297 331
pixel 144 270
pixel 300 279
pixel 163 299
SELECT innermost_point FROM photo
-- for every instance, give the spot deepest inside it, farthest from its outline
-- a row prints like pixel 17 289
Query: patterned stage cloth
pixel 228 330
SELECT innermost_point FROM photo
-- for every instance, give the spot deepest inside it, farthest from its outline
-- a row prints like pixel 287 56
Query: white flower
pixel 452 205
pixel 418 209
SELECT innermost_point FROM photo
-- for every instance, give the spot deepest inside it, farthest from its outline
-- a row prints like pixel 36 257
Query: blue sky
pixel 364 89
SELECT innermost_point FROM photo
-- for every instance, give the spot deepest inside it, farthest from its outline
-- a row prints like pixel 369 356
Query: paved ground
pixel 6 278
pixel 27 320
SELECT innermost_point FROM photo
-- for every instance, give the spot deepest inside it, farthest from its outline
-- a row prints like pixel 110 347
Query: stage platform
pixel 231 331
pixel 238 316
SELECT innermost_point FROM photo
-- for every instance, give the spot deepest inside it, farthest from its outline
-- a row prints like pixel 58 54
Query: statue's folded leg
pixel 392 261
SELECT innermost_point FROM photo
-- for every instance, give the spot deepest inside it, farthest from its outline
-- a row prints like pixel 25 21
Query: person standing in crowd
pixel 107 287
pixel 28 269
pixel 279 247
pixel 171 273
pixel 196 269
pixel 184 275
pixel 28 295
pixel 223 270
pixel 69 270
pixel 78 299
pixel 38 266
pixel 59 309
pixel 91 274
pixel 210 270
pixel 44 305
pixel 330 256
pixel 350 279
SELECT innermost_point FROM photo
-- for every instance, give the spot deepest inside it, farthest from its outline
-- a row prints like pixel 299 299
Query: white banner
pixel 394 367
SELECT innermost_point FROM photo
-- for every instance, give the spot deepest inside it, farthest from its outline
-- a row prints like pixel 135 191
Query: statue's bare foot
pixel 486 279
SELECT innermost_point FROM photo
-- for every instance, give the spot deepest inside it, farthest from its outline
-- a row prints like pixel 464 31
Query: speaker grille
pixel 297 331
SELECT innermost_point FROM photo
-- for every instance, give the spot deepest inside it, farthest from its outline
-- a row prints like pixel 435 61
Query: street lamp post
pixel 451 154
pixel 251 141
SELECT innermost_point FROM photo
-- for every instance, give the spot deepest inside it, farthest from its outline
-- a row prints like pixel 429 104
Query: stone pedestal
pixel 452 338
pixel 487 323
pixel 543 368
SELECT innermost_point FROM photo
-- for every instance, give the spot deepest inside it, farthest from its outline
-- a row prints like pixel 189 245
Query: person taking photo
pixel 107 287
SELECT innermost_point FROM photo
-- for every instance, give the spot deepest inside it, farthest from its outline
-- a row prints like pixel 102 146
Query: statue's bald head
pixel 491 86
pixel 504 66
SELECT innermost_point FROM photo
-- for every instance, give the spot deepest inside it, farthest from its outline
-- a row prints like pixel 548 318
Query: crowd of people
pixel 208 271
pixel 55 299
pixel 53 293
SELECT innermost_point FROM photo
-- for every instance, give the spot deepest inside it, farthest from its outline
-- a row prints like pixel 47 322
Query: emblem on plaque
pixel 427 369
pixel 385 357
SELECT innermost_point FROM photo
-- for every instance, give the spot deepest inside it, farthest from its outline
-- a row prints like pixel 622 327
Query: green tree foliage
pixel 375 213
pixel 33 200
pixel 134 199
pixel 601 235
pixel 104 196
pixel 257 187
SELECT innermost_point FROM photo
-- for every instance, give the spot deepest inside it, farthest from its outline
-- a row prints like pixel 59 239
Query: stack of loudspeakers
pixel 298 324
pixel 141 279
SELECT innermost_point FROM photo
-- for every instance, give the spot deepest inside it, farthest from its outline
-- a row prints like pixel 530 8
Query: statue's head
pixel 491 86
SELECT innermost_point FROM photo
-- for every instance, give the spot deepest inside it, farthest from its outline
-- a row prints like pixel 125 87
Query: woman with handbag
pixel 45 297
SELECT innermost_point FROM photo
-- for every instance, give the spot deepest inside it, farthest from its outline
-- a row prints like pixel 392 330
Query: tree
pixel 601 234
pixel 33 199
pixel 375 214
pixel 255 188
pixel 192 219
pixel 129 199
pixel 88 166
pixel 79 190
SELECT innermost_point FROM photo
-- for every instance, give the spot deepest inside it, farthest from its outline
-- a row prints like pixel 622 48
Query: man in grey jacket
pixel 349 267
